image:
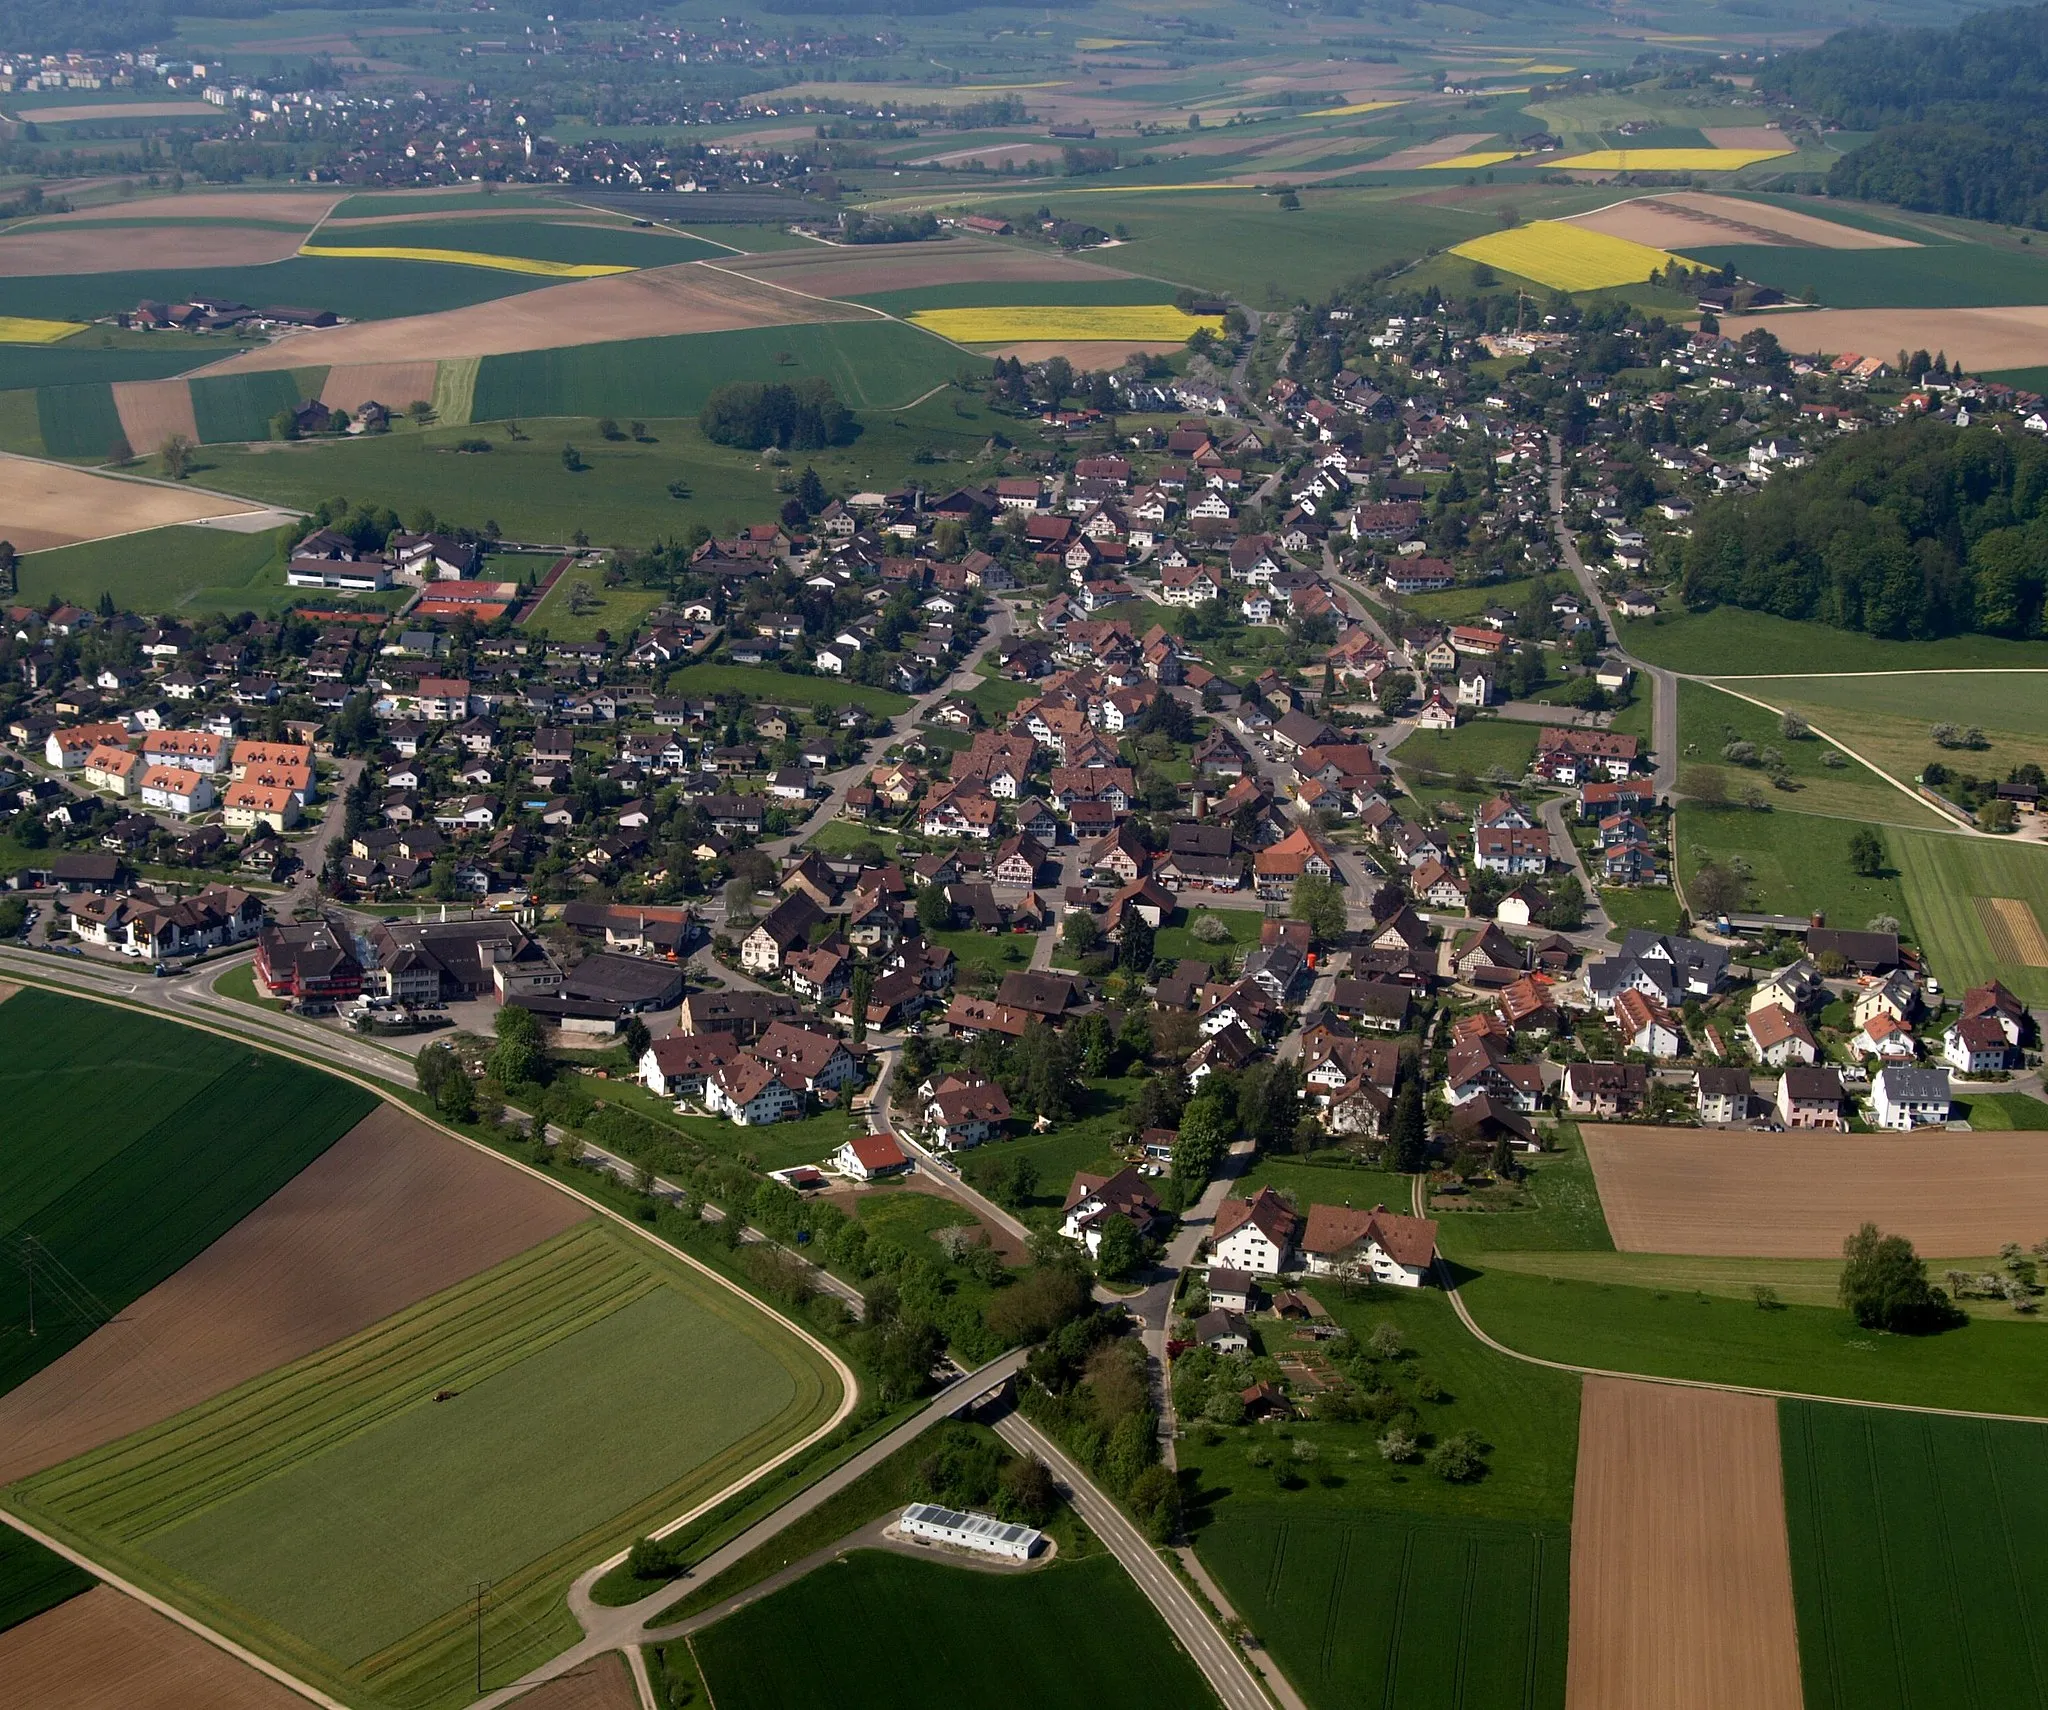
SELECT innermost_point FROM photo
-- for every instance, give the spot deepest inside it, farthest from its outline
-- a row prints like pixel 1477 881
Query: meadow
pixel 1176 936
pixel 1943 876
pixel 1476 746
pixel 1733 643
pixel 1795 863
pixel 2013 700
pixel 121 1177
pixel 33 1578
pixel 166 569
pixel 1402 1610
pixel 337 1511
pixel 1565 257
pixel 874 364
pixel 614 610
pixel 999 293
pixel 1087 1142
pixel 1911 1538
pixel 1936 276
pixel 881 1630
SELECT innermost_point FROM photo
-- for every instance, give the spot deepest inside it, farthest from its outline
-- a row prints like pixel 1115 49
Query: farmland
pixel 79 420
pixel 165 569
pixel 123 1178
pixel 1930 276
pixel 464 258
pixel 1943 877
pixel 2013 701
pixel 1400 1610
pixel 1908 1537
pixel 1979 339
pixel 1666 159
pixel 332 1511
pixel 49 505
pixel 881 1630
pixel 33 1578
pixel 1145 324
pixel 234 407
pixel 1565 257
pixel 1681 1589
pixel 16 329
pixel 1730 642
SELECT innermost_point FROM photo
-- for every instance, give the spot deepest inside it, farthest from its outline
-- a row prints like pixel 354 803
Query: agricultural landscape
pixel 1188 859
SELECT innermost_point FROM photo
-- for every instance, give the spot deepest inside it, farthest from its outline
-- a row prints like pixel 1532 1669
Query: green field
pixel 1402 1611
pixel 616 611
pixel 997 294
pixel 337 1511
pixel 233 407
pixel 1942 876
pixel 1476 746
pixel 584 243
pixel 873 364
pixel 33 1578
pixel 1176 939
pixel 1798 863
pixel 163 570
pixel 1913 1542
pixel 764 685
pixel 876 1629
pixel 1557 1211
pixel 82 361
pixel 2006 1111
pixel 1731 642
pixel 1937 276
pixel 78 421
pixel 2009 700
pixel 1988 1366
pixel 122 1176
pixel 371 205
pixel 1086 1142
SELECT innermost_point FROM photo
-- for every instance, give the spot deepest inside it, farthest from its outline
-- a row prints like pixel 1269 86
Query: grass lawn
pixel 843 836
pixel 764 685
pixel 615 611
pixel 2013 701
pixel 1455 605
pixel 1558 1209
pixel 1088 1142
pixel 1728 642
pixel 1986 1365
pixel 1798 863
pixel 33 1579
pixel 1899 744
pixel 1943 876
pixel 336 1513
pixel 884 1630
pixel 163 570
pixel 1401 1609
pixel 123 1177
pixel 1476 747
pixel 1651 907
pixel 1908 1535
pixel 909 1220
pixel 1709 720
pixel 239 983
pixel 992 953
pixel 997 697
pixel 808 1140
pixel 1177 939
pixel 2008 1111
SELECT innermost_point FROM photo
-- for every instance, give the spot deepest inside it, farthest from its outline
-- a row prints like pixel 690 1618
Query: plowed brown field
pixel 152 410
pixel 907 267
pixel 138 249
pixel 1795 1196
pixel 49 504
pixel 1681 1574
pixel 389 1214
pixel 105 1651
pixel 1982 339
pixel 1685 218
pixel 603 1683
pixel 686 298
pixel 393 384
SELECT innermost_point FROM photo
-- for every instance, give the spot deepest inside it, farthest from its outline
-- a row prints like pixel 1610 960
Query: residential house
pixel 871 1157
pixel 1811 1098
pixel 1910 1098
pixel 1722 1095
pixel 1093 1200
pixel 1605 1090
pixel 1255 1236
pixel 1377 1246
pixel 1780 1036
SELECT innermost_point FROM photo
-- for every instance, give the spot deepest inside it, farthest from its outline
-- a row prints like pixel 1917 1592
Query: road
pixel 1220 1660
pixel 1664 684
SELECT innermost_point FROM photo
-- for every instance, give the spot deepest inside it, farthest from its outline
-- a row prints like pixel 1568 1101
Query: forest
pixel 1907 532
pixel 1944 105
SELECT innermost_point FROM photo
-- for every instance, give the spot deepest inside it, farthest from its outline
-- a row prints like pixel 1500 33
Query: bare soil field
pixel 50 504
pixel 996 154
pixel 909 267
pixel 1981 339
pixel 603 1683
pixel 1087 355
pixel 306 205
pixel 1681 1573
pixel 121 110
pixel 1797 1195
pixel 1429 153
pixel 2013 931
pixel 394 384
pixel 152 410
pixel 105 1651
pixel 1745 136
pixel 686 298
pixel 135 249
pixel 7 990
pixel 390 1214
pixel 1693 217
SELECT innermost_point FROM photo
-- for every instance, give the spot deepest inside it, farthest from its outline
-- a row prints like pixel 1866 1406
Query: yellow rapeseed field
pixel 1153 323
pixel 1565 257
pixel 465 258
pixel 1354 107
pixel 18 329
pixel 1669 159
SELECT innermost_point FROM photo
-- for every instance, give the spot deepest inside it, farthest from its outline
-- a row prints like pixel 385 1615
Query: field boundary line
pixel 1870 765
pixel 636 1660
pixel 1472 1324
pixel 593 208
pixel 791 290
pixel 192 1624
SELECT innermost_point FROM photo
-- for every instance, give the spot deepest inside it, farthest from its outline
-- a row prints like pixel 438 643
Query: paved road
pixel 1596 922
pixel 1220 1660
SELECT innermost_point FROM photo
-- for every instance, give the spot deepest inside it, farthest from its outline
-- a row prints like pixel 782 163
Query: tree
pixel 176 452
pixel 284 425
pixel 1028 1488
pixel 1120 1250
pixel 1866 852
pixel 1457 1459
pixel 518 1057
pixel 1884 1286
pixel 572 460
pixel 1715 890
pixel 861 988
pixel 1134 953
pixel 1078 932
pixel 934 912
pixel 1407 1131
pixel 1319 902
pixel 1706 785
pixel 1793 728
pixel 810 491
pixel 636 1039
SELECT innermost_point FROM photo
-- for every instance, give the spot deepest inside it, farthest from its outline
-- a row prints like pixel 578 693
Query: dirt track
pixel 105 1651
pixel 1796 1196
pixel 603 1683
pixel 388 1215
pixel 686 298
pixel 1681 1574
pixel 51 504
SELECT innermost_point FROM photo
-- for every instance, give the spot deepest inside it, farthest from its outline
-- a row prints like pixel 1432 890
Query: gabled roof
pixel 1271 1215
pixel 1335 1229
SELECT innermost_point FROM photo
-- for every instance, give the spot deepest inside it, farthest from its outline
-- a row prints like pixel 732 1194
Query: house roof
pixel 1334 1229
pixel 1271 1215
pixel 1814 1084
pixel 878 1152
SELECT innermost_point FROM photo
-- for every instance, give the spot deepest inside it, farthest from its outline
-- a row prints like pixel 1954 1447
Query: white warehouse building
pixel 969 1531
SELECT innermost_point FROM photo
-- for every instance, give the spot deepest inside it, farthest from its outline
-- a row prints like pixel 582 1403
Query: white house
pixel 977 1532
pixel 1975 1045
pixel 961 1114
pixel 870 1156
pixel 1909 1098
pixel 1255 1236
pixel 1369 1246
pixel 174 789
pixel 751 1093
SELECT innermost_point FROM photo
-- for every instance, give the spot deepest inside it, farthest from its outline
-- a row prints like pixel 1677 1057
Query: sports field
pixel 123 1176
pixel 1946 878
pixel 1400 1610
pixel 1565 257
pixel 1913 1542
pixel 336 1511
pixel 880 1630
